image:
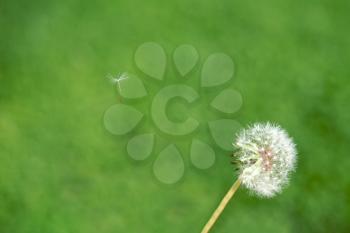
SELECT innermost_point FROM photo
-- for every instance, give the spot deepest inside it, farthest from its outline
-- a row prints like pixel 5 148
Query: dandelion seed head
pixel 265 156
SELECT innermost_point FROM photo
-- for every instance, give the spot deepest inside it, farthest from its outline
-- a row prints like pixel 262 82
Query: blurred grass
pixel 60 171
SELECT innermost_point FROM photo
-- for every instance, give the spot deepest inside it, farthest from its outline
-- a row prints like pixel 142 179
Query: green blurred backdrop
pixel 61 171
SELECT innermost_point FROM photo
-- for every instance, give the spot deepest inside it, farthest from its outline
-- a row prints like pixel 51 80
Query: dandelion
pixel 265 155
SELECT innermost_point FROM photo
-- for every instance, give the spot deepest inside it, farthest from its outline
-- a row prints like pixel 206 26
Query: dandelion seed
pixel 117 79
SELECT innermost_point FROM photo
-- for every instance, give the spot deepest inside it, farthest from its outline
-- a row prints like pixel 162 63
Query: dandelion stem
pixel 221 206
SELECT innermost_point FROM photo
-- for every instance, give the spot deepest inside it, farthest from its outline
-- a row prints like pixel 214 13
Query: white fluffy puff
pixel 265 156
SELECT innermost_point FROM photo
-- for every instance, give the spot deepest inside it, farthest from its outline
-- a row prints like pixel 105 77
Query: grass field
pixel 61 171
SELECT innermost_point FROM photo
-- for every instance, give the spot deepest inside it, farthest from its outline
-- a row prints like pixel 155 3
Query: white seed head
pixel 265 156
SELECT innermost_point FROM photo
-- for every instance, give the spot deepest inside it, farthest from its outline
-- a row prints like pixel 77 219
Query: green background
pixel 61 171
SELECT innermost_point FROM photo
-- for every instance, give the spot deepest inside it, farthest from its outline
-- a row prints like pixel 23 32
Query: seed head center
pixel 266 155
